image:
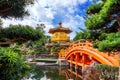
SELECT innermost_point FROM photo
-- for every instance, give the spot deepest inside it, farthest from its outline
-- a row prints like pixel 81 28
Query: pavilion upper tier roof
pixel 60 29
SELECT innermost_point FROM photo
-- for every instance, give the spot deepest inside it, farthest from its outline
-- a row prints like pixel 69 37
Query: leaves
pixel 14 8
pixel 94 8
pixel 88 34
pixel 111 43
pixel 107 72
pixel 100 27
pixel 12 66
pixel 21 32
pixel 103 17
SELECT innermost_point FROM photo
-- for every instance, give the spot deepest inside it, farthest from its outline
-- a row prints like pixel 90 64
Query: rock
pixel 90 73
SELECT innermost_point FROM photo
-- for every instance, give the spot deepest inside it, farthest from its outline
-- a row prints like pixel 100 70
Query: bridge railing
pixel 88 45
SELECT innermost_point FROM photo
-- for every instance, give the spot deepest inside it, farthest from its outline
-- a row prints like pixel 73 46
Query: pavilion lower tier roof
pixel 52 44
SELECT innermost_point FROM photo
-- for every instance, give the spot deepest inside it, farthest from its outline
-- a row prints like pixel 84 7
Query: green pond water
pixel 50 73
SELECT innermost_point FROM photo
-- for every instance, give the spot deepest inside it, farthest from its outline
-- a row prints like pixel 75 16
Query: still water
pixel 50 73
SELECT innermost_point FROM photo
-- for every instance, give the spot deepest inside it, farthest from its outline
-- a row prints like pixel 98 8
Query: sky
pixel 51 12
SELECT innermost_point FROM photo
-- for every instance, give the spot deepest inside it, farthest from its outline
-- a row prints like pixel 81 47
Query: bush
pixel 12 66
pixel 108 72
pixel 20 32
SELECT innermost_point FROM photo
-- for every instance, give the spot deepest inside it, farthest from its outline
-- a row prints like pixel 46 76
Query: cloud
pixel 50 12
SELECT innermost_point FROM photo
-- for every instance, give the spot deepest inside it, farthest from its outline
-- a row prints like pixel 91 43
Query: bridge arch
pixel 82 54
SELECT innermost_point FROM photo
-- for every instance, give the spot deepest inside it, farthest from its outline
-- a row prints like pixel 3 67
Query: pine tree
pixel 104 20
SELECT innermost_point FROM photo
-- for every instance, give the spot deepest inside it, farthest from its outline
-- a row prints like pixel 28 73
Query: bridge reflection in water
pixel 71 73
pixel 53 73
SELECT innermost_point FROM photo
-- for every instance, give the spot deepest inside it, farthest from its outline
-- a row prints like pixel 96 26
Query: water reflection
pixel 51 73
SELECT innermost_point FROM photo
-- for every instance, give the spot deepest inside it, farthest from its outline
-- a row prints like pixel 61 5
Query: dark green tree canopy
pixel 94 8
pixel 14 8
pixel 111 43
pixel 103 25
pixel 102 14
pixel 15 32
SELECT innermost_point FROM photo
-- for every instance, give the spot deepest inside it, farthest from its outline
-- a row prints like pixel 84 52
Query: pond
pixel 50 73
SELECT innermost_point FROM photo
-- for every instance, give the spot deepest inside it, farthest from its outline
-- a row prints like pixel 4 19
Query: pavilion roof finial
pixel 60 25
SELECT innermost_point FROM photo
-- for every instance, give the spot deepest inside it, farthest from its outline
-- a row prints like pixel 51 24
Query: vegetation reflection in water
pixel 49 73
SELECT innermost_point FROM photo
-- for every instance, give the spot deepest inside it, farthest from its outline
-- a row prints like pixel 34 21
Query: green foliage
pixel 94 8
pixel 102 36
pixel 13 67
pixel 111 43
pixel 34 39
pixel 102 22
pixel 23 49
pixel 51 72
pixel 21 32
pixel 37 73
pixel 14 8
pixel 39 46
pixel 1 23
pixel 95 43
pixel 96 21
pixel 40 27
pixel 86 35
pixel 57 47
pixel 79 35
pixel 103 17
pixel 108 72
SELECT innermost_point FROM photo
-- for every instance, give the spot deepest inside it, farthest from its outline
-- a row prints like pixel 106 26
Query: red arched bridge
pixel 83 54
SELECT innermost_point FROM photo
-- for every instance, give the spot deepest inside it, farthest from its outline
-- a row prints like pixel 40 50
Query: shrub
pixel 12 66
pixel 108 72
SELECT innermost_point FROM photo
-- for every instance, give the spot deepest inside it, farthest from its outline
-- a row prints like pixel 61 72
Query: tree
pixel 107 11
pixel 14 8
pixel 104 17
pixel 111 43
pixel 87 34
pixel 104 20
pixel 39 45
pixel 20 32
pixel 41 27
pixel 12 66
pixel 0 25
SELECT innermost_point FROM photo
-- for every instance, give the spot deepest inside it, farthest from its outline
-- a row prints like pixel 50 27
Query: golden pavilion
pixel 60 36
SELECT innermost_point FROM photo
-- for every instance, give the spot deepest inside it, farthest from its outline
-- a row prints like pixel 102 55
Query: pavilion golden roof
pixel 60 29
